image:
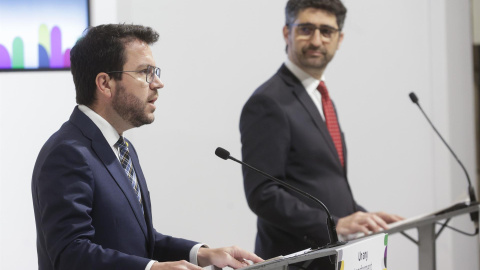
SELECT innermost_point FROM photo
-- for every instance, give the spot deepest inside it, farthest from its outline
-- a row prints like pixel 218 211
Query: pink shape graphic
pixel 66 59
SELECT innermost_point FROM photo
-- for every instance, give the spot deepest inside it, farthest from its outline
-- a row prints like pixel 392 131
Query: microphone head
pixel 222 153
pixel 413 97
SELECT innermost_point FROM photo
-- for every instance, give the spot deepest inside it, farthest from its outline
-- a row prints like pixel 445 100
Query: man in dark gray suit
pixel 290 130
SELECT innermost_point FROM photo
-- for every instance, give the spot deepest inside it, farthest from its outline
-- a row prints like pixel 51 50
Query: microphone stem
pixel 471 191
pixel 446 144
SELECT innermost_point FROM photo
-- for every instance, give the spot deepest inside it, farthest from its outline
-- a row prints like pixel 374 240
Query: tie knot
pixel 323 89
pixel 121 144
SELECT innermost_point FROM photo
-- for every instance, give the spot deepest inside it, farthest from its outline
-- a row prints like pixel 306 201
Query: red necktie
pixel 331 120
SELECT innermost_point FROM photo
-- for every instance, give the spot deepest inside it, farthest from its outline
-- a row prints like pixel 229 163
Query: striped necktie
pixel 127 165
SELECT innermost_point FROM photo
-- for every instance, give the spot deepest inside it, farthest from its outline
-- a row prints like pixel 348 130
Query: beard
pixel 131 108
pixel 315 63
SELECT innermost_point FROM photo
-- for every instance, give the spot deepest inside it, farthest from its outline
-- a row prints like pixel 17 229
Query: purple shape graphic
pixel 56 58
pixel 43 61
pixel 385 257
pixel 5 61
pixel 66 59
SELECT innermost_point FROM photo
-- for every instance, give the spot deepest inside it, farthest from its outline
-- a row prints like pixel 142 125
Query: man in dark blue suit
pixel 91 202
pixel 290 130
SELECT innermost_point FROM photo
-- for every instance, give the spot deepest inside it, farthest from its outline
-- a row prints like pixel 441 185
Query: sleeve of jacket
pixel 168 248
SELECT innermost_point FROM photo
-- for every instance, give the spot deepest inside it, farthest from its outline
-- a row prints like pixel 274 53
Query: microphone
pixel 332 231
pixel 471 191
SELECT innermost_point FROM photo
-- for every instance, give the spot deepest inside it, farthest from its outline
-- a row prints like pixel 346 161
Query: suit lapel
pixel 104 152
pixel 302 96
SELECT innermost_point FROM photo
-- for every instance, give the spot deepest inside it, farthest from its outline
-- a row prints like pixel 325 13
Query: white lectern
pixel 426 244
pixel 426 231
pixel 366 253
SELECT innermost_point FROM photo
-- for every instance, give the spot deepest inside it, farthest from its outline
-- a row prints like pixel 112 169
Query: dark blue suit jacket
pixel 283 134
pixel 86 212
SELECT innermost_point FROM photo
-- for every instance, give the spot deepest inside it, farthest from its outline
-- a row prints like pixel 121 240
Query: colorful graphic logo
pixel 384 262
pixel 39 34
pixel 50 53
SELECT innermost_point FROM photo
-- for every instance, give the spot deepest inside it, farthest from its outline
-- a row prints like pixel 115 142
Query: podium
pixel 427 236
pixel 366 253
pixel 426 241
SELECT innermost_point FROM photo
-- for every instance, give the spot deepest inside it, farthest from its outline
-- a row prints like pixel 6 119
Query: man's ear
pixel 104 84
pixel 286 32
pixel 340 40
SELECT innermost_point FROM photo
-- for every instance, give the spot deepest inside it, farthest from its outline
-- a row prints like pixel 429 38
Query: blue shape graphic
pixel 43 59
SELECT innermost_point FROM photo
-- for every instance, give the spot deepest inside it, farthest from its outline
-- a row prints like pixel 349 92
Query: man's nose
pixel 156 83
pixel 317 38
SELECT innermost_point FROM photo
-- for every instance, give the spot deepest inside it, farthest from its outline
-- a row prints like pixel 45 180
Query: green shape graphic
pixel 385 240
pixel 44 38
pixel 18 53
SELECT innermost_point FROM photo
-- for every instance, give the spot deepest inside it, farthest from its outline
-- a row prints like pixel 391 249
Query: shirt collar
pixel 309 83
pixel 108 131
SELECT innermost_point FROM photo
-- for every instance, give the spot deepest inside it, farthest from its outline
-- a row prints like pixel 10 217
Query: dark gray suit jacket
pixel 283 134
pixel 87 214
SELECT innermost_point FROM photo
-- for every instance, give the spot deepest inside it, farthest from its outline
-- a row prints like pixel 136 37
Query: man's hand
pixel 389 218
pixel 365 222
pixel 233 257
pixel 179 265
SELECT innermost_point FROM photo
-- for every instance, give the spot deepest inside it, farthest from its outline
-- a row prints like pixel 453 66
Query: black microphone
pixel 471 190
pixel 332 231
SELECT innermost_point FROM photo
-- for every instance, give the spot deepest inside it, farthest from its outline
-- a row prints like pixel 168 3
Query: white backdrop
pixel 213 54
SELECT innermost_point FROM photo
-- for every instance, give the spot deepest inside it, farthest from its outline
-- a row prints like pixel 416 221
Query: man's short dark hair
pixel 335 7
pixel 102 49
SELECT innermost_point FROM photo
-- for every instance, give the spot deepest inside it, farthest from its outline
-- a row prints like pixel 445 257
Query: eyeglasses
pixel 308 29
pixel 149 72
